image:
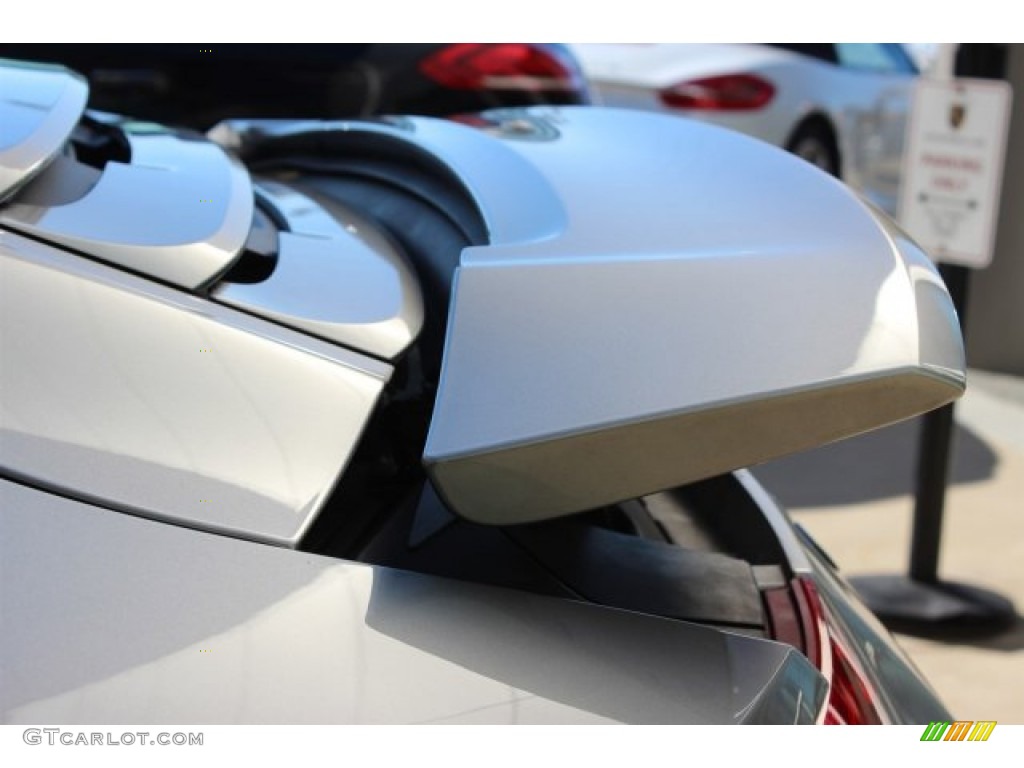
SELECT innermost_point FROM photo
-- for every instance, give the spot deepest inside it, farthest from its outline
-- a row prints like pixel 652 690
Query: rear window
pixel 820 51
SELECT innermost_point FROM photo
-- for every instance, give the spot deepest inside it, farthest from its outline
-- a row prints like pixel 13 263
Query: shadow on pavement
pixel 869 467
pixel 1009 639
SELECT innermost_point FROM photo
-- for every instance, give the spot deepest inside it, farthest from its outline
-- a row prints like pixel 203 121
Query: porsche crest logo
pixel 957 113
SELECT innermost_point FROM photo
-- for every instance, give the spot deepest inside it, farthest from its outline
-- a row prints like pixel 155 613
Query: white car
pixel 841 106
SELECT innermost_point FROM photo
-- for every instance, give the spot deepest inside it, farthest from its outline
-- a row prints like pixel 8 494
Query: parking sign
pixel 952 168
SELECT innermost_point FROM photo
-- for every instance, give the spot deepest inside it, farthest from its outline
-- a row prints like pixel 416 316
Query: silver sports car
pixel 413 420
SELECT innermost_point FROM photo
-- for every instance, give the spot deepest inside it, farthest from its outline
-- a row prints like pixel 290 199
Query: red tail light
pixel 852 699
pixel 499 66
pixel 722 93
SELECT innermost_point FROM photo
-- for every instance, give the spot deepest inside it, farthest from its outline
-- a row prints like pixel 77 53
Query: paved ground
pixel 856 498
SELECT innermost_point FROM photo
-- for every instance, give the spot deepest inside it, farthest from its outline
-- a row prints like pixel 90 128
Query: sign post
pixel 952 172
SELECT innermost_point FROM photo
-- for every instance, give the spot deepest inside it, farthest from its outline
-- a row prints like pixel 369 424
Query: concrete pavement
pixel 855 498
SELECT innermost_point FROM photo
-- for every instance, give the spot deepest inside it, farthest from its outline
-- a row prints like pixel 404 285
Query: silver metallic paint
pixel 516 201
pixel 41 104
pixel 660 301
pixel 180 211
pixel 301 638
pixel 336 277
pixel 710 303
pixel 217 630
pixel 908 698
pixel 160 403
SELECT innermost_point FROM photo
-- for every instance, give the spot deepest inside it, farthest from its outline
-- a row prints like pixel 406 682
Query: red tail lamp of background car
pixel 497 66
pixel 721 93
pixel 798 618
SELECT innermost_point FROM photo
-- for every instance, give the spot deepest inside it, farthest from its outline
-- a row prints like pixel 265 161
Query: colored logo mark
pixel 960 730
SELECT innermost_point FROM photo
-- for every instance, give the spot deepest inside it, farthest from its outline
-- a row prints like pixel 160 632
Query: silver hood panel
pixel 183 209
pixel 225 631
pixel 40 105
pixel 162 404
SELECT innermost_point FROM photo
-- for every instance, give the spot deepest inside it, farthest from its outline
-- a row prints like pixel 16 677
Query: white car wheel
pixel 815 144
